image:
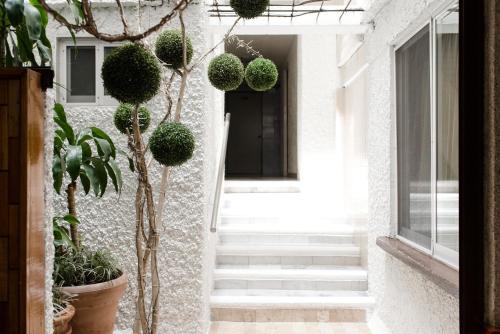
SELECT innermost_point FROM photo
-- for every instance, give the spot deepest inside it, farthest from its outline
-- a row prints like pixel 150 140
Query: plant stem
pixel 70 191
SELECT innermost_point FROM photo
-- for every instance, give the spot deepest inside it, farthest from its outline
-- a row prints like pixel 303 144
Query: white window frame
pixel 100 98
pixel 441 253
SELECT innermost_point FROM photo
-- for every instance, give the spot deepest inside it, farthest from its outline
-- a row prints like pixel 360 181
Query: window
pixel 80 69
pixel 426 88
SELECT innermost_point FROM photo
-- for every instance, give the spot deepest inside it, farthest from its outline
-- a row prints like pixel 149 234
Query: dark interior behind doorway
pixel 255 136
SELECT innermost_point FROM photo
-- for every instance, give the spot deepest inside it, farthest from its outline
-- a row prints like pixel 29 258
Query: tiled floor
pixel 287 328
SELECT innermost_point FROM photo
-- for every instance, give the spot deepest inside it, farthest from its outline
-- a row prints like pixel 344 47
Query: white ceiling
pixel 274 47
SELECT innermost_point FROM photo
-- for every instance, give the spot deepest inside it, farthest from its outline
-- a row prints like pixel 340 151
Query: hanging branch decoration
pixel 172 143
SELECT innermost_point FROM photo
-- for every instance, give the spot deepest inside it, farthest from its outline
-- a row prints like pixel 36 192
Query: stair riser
pixel 286 220
pixel 292 261
pixel 288 315
pixel 277 239
pixel 292 285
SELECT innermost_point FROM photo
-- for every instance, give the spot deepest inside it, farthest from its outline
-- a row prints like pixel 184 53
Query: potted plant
pixel 85 158
pixel 63 311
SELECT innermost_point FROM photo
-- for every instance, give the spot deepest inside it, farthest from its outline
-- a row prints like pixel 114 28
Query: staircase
pixel 282 256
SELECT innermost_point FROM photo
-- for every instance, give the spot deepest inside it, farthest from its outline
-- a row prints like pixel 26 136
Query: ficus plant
pixel 86 159
pixel 22 34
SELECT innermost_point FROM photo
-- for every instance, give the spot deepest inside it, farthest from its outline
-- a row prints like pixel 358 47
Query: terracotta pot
pixel 96 306
pixel 62 319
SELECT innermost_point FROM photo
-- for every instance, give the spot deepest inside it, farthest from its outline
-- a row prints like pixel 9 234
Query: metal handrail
pixel 220 175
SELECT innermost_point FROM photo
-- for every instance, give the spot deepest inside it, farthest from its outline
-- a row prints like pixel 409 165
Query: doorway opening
pixel 262 136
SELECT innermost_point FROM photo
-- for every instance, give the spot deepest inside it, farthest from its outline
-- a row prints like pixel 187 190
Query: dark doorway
pixel 254 147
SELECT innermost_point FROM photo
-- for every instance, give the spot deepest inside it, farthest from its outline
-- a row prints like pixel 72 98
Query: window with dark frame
pixel 426 88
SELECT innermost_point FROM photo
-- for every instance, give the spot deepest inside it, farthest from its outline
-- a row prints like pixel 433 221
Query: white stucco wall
pixel 317 78
pixel 405 299
pixel 186 244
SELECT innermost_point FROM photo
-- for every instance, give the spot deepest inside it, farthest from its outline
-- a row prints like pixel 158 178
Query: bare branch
pixel 226 36
pixel 122 17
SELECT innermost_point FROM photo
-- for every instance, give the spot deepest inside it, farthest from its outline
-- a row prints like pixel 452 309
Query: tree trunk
pixel 70 191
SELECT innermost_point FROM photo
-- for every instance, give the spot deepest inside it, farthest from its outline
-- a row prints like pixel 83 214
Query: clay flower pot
pixel 96 306
pixel 62 320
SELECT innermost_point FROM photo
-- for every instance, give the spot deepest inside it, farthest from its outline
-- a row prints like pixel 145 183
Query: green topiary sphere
pixel 249 9
pixel 123 118
pixel 261 74
pixel 226 72
pixel 131 74
pixel 169 48
pixel 172 144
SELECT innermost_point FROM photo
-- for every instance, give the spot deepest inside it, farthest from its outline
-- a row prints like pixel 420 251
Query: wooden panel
pixel 14 301
pixel 4 204
pixel 4 270
pixel 4 138
pixel 14 101
pixel 34 205
pixel 14 170
pixel 4 92
pixel 13 237
pixel 22 260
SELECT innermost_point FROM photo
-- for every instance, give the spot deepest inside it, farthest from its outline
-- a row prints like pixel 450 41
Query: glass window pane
pixel 107 51
pixel 447 129
pixel 413 102
pixel 81 73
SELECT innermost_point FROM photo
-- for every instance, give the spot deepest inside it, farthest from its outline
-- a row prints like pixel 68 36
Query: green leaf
pixel 83 135
pixel 15 9
pixel 43 14
pixel 44 52
pixel 115 174
pixel 86 151
pixel 60 133
pixel 33 21
pixel 74 161
pixel 9 59
pixel 91 174
pixel 68 130
pixel 103 148
pixel 101 134
pixel 59 110
pixel 25 45
pixel 57 173
pixel 76 9
pixel 85 182
pixel 101 175
pixel 70 219
pixel 58 145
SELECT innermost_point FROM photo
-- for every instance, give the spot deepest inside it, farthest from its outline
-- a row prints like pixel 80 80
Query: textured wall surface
pixel 49 210
pixel 405 299
pixel 185 246
pixel 316 113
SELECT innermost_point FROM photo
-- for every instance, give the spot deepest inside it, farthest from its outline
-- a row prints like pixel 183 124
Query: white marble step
pixel 295 250
pixel 288 229
pixel 290 299
pixel 270 277
pixel 312 273
pixel 264 186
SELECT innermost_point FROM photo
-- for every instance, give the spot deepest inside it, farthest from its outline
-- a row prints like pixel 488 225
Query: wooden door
pixel 22 263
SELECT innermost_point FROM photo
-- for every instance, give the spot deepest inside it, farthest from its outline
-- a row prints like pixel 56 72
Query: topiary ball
pixel 249 9
pixel 169 48
pixel 261 74
pixel 226 72
pixel 172 144
pixel 123 118
pixel 131 74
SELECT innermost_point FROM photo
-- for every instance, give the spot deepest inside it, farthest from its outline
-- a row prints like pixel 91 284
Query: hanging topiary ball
pixel 249 9
pixel 123 118
pixel 172 144
pixel 226 72
pixel 169 48
pixel 261 74
pixel 131 74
